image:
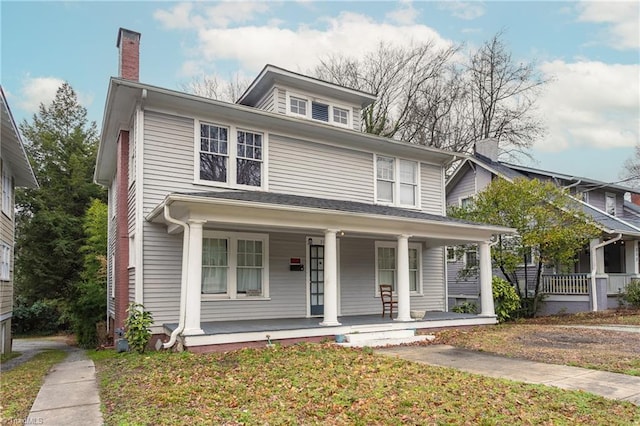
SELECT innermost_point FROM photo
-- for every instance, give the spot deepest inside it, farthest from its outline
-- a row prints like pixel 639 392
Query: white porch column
pixel 194 279
pixel 402 287
pixel 599 256
pixel 330 278
pixel 486 290
pixel 631 257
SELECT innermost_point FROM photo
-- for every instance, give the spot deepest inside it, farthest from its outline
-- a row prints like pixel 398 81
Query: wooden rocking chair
pixel 386 296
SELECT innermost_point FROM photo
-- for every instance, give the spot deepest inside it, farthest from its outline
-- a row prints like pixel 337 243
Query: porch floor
pixel 283 324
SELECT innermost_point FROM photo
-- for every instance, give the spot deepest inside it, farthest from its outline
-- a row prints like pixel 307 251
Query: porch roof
pixel 608 223
pixel 295 211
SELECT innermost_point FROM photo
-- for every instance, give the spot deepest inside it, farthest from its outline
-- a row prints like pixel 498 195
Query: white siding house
pixel 274 213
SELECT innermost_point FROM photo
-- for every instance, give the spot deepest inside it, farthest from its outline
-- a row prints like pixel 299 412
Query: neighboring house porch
pixel 304 267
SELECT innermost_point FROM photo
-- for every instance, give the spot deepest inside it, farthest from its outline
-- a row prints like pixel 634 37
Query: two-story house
pixel 587 285
pixel 272 216
pixel 16 172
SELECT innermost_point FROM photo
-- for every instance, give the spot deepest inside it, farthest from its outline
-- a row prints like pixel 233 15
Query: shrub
pixel 41 317
pixel 466 308
pixel 505 298
pixel 138 327
pixel 632 293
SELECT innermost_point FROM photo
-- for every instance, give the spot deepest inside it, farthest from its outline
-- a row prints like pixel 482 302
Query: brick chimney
pixel 129 57
pixel 488 148
pixel 635 199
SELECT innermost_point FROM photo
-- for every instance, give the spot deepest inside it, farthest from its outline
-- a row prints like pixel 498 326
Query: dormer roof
pixel 272 74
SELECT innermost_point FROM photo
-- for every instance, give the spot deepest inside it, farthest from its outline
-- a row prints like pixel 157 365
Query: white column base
pixel 192 332
pixel 330 323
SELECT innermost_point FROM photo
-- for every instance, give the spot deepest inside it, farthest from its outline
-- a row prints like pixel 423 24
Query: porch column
pixel 631 257
pixel 330 279
pixel 599 261
pixel 194 279
pixel 486 290
pixel 402 287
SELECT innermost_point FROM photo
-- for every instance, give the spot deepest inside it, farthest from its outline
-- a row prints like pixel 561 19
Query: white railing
pixel 565 284
pixel 618 282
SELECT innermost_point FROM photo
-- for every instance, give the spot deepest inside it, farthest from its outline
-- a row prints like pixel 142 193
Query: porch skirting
pixel 248 331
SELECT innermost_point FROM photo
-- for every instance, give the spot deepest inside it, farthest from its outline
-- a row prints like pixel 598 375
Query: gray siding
pixel 433 285
pixel 305 168
pixel 281 100
pixel 358 277
pixel 483 178
pixel 597 199
pixel 357 118
pixel 432 197
pixel 268 103
pixel 465 187
pixel 168 156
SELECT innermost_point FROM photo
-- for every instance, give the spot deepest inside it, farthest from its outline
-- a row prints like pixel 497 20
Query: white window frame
pixel 113 276
pixel 396 182
pixel 5 261
pixel 464 200
pixel 232 264
pixel 309 106
pixel 131 172
pixel 232 156
pixel 394 245
pixel 610 196
pixel 453 258
pixel 132 250
pixel 7 190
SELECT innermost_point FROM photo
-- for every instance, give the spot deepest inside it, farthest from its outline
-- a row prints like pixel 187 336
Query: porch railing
pixel 565 284
pixel 618 282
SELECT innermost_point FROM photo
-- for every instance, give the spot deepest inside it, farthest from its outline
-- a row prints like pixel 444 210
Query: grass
pixel 324 384
pixel 548 339
pixel 20 385
pixel 6 357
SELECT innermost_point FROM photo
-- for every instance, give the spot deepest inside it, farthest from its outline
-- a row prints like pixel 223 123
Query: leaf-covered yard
pixel 325 384
pixel 560 340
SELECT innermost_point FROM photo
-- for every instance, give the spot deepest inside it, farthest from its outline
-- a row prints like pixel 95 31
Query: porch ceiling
pixel 308 214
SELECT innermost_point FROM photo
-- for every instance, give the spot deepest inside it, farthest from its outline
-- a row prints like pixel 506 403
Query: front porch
pixel 227 333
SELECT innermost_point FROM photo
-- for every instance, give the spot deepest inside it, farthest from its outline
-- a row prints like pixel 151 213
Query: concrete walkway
pixel 28 348
pixel 608 385
pixel 69 395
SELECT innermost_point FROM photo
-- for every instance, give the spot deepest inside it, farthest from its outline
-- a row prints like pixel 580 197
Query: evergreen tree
pixel 61 145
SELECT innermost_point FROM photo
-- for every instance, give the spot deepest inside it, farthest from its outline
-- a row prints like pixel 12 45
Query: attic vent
pixel 319 111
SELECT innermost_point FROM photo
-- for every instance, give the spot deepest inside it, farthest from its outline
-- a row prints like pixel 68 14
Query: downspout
pixel 183 281
pixel 594 268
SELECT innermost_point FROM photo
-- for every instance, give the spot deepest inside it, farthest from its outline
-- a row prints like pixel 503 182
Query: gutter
pixel 183 281
pixel 594 268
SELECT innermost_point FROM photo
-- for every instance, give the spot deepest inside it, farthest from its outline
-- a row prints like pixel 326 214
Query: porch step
pixel 378 335
pixel 388 342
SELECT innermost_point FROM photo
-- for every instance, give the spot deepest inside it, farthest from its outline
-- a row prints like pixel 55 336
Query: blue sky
pixel 589 49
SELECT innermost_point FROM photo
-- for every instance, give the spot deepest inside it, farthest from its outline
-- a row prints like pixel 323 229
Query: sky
pixel 589 51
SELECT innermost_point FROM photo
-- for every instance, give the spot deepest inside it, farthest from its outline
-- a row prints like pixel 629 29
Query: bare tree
pixel 631 171
pixel 210 86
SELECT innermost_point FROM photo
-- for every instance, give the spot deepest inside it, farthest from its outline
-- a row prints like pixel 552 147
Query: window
pixel 386 265
pixel 341 116
pixel 249 162
pixel 471 258
pixel 397 181
pixel 214 144
pixel 320 111
pixel 5 262
pixel 451 254
pixel 132 251
pixel 113 276
pixel 229 156
pixel 610 203
pixel 298 106
pixel 466 202
pixel 234 264
pixel 7 191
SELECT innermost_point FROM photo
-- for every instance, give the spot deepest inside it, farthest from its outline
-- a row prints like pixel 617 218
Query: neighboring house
pixel 272 216
pixel 616 250
pixel 16 172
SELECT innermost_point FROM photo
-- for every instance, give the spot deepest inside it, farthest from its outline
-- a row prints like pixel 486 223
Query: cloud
pixel 250 47
pixel 590 104
pixel 177 18
pixel 463 10
pixel 37 90
pixel 185 16
pixel 622 17
pixel 406 14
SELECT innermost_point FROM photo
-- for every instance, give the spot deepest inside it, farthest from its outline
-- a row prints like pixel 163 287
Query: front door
pixel 316 279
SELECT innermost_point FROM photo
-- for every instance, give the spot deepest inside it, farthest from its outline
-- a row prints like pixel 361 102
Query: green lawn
pixel 20 385
pixel 324 384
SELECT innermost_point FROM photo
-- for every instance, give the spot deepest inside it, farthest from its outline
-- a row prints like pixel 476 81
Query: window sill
pixel 223 185
pixel 212 298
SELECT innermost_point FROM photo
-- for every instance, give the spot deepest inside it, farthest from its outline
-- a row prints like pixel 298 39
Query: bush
pixel 505 299
pixel 41 317
pixel 466 308
pixel 138 327
pixel 632 293
pixel 87 310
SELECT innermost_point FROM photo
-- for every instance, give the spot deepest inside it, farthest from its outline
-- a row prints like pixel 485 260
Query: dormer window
pixel 319 110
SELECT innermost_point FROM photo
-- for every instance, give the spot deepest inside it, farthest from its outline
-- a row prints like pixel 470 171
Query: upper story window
pixel 325 111
pixel 396 181
pixel 7 191
pixel 466 202
pixel 610 203
pixel 230 156
pixel 5 262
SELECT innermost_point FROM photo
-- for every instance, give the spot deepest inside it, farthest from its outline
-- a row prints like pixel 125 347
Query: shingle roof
pixel 498 167
pixel 326 204
pixel 608 222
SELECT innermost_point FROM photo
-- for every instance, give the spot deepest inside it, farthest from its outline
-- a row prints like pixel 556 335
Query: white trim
pixel 139 213
pixel 6 316
pixel 446 254
pixel 394 244
pixel 132 251
pixel 310 100
pixel 5 261
pixel 231 156
pixel 396 182
pixel 232 259
pixel 7 190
